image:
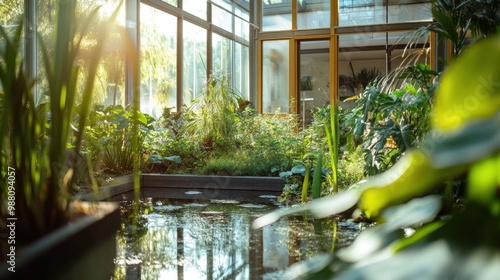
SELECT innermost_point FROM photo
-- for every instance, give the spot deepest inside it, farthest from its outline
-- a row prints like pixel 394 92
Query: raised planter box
pixel 199 187
pixel 83 249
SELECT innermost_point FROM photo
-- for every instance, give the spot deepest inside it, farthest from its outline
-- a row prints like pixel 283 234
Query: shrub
pixel 109 136
pixel 387 124
pixel 351 168
pixel 213 115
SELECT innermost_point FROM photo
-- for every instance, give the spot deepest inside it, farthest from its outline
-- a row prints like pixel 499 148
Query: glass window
pixel 45 20
pixel 226 4
pixel 194 61
pixel 158 60
pixel 241 73
pixel 222 53
pixel 275 76
pixel 407 11
pixel 109 87
pixel 10 13
pixel 362 57
pixel 242 27
pixel 196 7
pixel 314 77
pixel 362 12
pixel 276 15
pixel 313 14
pixel 222 18
pixel 171 2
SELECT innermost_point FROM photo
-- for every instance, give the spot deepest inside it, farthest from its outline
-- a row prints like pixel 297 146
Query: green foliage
pixel 259 145
pixel 239 163
pixel 462 20
pixel 274 137
pixel 387 124
pixel 437 245
pixel 305 185
pixel 351 168
pixel 36 137
pixel 316 184
pixel 109 138
pixel 171 138
pixel 213 115
pixel 265 146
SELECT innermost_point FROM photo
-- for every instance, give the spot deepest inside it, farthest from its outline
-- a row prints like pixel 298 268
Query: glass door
pixel 314 77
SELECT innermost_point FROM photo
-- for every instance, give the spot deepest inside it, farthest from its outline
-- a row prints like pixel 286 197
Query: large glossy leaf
pixel 320 208
pixel 412 176
pixel 470 143
pixel 176 159
pixel 407 137
pixel 298 169
pixel 414 213
pixel 430 262
pixel 483 182
pixel 420 171
pixel 470 88
pixel 369 242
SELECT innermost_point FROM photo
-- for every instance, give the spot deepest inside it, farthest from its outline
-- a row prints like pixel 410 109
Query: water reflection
pixel 186 240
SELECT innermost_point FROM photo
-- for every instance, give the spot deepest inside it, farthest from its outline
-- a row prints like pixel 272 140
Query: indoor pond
pixel 214 240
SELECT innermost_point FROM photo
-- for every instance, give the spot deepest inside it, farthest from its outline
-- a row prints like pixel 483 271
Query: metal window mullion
pixel 132 78
pixel 179 64
pixel 209 41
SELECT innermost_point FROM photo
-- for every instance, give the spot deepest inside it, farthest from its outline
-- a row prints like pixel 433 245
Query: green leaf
pixel 368 242
pixel 470 87
pixel 305 185
pixel 176 159
pixel 299 169
pixel 473 141
pixel 483 180
pixel 316 185
pixel 413 213
pixel 429 262
pixel 407 137
pixel 411 176
pixel 155 159
pixel 141 118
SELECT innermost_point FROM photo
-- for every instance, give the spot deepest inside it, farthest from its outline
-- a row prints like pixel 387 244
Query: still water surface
pixel 214 240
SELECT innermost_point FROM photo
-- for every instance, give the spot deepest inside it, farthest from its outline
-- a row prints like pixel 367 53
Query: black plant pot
pixel 83 249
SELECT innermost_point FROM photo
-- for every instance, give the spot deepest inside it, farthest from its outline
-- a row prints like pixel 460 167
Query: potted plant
pixel 39 218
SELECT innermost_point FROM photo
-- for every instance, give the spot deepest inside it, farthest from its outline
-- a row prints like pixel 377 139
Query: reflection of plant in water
pixel 210 238
pixel 143 242
pixel 134 225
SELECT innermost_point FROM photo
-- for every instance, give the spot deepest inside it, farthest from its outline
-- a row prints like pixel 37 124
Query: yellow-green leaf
pixel 412 176
pixel 483 180
pixel 470 87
